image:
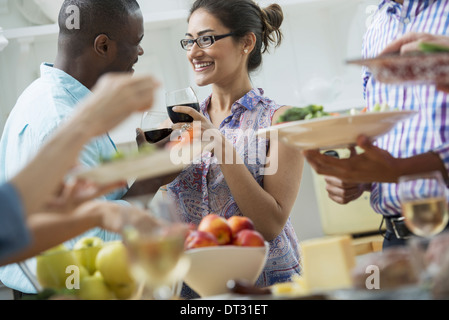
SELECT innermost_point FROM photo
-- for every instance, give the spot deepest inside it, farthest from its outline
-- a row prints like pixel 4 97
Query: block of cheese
pixel 328 262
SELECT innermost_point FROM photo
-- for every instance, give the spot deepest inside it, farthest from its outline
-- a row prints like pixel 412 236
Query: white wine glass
pixel 423 202
pixel 157 253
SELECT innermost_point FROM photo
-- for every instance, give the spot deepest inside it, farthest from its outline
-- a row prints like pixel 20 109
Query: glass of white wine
pixel 423 202
pixel 157 253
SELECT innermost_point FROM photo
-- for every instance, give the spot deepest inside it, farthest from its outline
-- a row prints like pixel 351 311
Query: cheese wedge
pixel 328 262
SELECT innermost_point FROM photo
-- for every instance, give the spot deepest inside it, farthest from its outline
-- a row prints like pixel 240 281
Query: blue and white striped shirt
pixel 427 131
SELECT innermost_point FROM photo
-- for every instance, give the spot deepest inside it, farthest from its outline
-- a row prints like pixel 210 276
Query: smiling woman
pixel 224 43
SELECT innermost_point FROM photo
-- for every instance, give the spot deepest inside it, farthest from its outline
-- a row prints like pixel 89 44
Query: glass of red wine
pixel 152 126
pixel 183 97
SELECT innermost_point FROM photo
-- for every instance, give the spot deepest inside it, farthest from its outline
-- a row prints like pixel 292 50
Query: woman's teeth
pixel 202 65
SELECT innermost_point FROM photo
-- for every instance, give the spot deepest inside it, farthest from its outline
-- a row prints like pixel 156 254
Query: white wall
pixel 319 36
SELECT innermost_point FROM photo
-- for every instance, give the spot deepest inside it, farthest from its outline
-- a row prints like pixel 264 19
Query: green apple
pixel 123 291
pixel 112 262
pixel 51 267
pixel 83 272
pixel 86 250
pixel 93 287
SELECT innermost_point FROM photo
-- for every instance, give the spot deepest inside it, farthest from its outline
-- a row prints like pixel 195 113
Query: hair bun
pixel 272 18
pixel 275 15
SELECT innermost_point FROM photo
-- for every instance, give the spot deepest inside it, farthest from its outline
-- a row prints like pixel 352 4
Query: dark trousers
pixel 390 240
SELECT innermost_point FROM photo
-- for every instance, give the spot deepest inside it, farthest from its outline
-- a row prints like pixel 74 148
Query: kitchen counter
pixel 365 245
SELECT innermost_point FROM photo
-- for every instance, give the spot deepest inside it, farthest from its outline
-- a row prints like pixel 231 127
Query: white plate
pixel 338 131
pixel 144 166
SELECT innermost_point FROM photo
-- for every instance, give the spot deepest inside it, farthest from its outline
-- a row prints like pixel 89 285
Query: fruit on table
pixel 93 287
pixel 109 276
pixel 200 239
pixel 123 291
pixel 218 226
pixel 239 223
pixel 112 262
pixel 249 238
pixel 86 250
pixel 236 230
pixel 51 267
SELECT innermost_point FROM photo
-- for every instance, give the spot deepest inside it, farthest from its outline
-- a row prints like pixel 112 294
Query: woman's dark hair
pixel 244 16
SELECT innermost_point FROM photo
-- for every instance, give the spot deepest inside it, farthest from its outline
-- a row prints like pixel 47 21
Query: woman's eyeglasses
pixel 203 42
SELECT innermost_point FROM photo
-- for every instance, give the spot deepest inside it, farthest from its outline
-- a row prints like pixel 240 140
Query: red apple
pixel 249 238
pixel 218 226
pixel 239 223
pixel 200 239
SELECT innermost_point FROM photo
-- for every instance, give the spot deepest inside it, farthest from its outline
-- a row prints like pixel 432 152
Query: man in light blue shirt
pixel 107 41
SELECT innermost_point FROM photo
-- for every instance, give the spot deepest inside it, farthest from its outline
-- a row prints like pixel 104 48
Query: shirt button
pixel 406 20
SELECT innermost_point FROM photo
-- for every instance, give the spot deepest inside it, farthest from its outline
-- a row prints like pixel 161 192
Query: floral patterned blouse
pixel 201 188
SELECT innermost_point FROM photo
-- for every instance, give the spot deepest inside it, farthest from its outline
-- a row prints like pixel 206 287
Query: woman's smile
pixel 202 66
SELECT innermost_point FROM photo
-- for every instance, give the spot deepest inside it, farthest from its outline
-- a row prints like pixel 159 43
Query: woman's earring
pixel 246 51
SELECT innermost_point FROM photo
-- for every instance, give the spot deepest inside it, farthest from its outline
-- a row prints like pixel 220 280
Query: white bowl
pixel 212 267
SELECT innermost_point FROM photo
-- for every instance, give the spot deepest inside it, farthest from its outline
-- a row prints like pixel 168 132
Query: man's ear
pixel 103 46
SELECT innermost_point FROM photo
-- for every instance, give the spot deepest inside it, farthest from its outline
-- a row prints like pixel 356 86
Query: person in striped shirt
pixel 418 145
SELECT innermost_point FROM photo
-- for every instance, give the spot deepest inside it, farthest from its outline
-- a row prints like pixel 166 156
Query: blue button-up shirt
pixel 42 108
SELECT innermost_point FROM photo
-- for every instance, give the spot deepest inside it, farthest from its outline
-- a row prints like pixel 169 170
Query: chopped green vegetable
pixel 381 107
pixel 432 47
pixel 305 113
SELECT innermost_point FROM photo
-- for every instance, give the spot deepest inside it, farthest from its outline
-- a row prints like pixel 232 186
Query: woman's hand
pixel 203 130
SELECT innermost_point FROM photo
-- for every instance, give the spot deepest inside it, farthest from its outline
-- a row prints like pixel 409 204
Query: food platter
pixel 412 68
pixel 336 131
pixel 142 166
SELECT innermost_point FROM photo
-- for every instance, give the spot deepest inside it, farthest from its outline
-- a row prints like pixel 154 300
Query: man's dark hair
pixel 97 17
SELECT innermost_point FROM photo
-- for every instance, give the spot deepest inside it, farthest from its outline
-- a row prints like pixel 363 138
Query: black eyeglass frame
pixel 213 40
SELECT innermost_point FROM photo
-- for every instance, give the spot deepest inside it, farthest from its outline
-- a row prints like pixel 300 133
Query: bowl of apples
pixel 221 250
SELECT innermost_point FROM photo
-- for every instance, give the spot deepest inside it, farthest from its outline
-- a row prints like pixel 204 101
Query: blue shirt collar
pixel 73 86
